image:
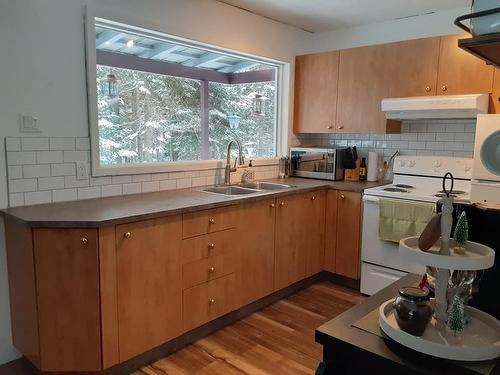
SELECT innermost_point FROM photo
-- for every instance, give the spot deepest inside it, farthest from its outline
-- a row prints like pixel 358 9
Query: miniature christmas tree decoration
pixel 456 317
pixel 461 234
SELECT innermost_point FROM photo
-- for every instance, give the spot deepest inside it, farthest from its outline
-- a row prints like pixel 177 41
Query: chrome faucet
pixel 240 159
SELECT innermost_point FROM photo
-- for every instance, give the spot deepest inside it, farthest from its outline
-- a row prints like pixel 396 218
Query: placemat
pixel 369 323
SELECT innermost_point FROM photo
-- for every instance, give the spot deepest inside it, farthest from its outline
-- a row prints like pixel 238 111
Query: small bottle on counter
pixel 362 170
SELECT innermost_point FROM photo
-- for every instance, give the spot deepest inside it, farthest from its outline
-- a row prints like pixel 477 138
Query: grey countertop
pixel 99 212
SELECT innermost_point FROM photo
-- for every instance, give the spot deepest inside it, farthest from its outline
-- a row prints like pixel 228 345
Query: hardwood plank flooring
pixel 276 340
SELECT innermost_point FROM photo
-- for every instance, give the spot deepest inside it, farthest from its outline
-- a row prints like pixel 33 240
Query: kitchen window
pixel 159 103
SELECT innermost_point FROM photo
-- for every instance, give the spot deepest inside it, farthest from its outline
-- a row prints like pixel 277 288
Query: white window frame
pixel 103 17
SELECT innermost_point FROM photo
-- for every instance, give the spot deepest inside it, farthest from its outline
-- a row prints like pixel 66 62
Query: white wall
pixel 385 32
pixel 42 69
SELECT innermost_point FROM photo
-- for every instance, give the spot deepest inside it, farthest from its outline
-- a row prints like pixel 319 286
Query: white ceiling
pixel 325 15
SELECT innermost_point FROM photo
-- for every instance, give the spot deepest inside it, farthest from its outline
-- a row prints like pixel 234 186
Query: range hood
pixel 435 107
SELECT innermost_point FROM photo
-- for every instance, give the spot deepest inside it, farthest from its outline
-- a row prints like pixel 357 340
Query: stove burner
pixel 453 192
pixel 404 186
pixel 396 190
pixel 442 195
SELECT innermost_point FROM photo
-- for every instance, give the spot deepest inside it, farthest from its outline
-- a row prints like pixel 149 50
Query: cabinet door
pixel 347 255
pixel 67 277
pixel 413 67
pixel 363 77
pixel 460 72
pixel 495 95
pixel 299 237
pixel 331 230
pixel 316 79
pixel 255 270
pixel 149 281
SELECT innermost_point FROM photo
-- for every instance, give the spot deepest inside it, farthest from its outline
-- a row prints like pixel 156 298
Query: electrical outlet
pixel 28 124
pixel 81 171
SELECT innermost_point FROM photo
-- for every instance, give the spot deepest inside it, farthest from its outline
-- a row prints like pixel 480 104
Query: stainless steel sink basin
pixel 265 185
pixel 231 190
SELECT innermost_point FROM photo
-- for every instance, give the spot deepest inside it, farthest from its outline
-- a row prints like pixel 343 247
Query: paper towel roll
pixel 372 166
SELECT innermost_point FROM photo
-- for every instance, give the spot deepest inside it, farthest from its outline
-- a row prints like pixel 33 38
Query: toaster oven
pixel 319 163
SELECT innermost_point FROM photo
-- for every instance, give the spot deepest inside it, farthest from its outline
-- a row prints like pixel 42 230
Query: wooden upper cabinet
pixel 347 254
pixel 149 283
pixel 412 67
pixel 460 72
pixel 316 78
pixel 363 77
pixel 67 285
pixel 495 95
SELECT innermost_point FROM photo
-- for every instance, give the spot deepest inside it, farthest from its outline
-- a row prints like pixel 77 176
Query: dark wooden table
pixel 350 350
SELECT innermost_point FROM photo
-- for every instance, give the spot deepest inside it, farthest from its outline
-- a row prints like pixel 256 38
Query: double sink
pixel 245 188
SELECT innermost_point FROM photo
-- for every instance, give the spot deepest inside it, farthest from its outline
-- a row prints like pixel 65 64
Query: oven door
pixel 376 251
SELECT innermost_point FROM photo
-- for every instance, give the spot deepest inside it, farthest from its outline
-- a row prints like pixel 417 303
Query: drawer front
pixel 203 270
pixel 208 221
pixel 208 301
pixel 208 245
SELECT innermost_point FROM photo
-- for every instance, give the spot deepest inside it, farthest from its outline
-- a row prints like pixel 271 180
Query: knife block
pixel 352 174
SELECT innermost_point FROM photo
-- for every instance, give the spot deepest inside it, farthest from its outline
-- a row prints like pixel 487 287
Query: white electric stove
pixel 416 178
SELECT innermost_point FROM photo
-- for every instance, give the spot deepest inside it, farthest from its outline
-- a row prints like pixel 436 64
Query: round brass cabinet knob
pixel 329 127
pixel 211 245
pixel 313 197
pixel 271 205
pixel 340 127
pixel 427 88
pixel 211 301
pixel 444 88
pixel 211 269
pixel 211 221
pixel 84 240
pixel 127 235
pixel 342 196
pixel 282 204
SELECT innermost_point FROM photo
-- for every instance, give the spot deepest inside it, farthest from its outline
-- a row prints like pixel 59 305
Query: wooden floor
pixel 276 340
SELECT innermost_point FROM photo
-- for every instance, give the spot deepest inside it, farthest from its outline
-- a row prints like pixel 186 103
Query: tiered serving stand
pixel 480 339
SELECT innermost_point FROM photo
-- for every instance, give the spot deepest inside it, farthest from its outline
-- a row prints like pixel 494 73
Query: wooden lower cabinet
pixel 255 272
pixel 347 249
pixel 495 95
pixel 299 237
pixel 88 299
pixel 67 287
pixel 208 301
pixel 149 284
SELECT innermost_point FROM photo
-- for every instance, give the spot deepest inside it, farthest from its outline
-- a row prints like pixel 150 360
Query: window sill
pixel 133 169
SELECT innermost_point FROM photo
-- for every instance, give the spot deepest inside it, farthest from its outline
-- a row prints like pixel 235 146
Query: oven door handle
pixel 369 198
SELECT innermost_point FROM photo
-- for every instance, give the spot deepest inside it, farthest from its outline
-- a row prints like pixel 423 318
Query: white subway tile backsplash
pixel 49 157
pixel 50 183
pixel 111 190
pixel 74 156
pixel 20 157
pixel 13 144
pixel 168 184
pixel 23 185
pixel 141 178
pixel 83 144
pixel 134 188
pixel 38 197
pixel 14 172
pixel 34 144
pixel 104 180
pixel 16 199
pixel 72 182
pixel 89 192
pixel 183 183
pixel 62 144
pixel 64 195
pixel 150 186
pixel 65 169
pixel 121 179
pixel 200 181
pixel 36 170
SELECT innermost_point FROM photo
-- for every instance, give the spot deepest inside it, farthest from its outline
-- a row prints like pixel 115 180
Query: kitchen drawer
pixel 208 245
pixel 208 301
pixel 208 221
pixel 203 270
